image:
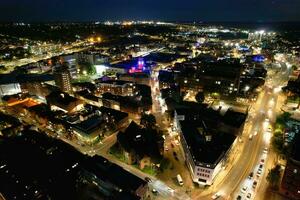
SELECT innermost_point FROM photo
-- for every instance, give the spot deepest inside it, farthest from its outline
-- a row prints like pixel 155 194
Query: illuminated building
pixel 9 88
pixel 64 102
pixel 62 78
pixel 136 65
pixel 70 61
pixel 208 140
pixel 121 88
pixel 93 58
pixel 138 78
pixel 16 83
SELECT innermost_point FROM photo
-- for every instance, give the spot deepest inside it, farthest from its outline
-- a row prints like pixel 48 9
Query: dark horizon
pixel 167 10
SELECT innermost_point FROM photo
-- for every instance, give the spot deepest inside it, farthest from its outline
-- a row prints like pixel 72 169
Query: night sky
pixel 167 10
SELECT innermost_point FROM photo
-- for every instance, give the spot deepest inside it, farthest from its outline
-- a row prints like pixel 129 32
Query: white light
pixel 271 102
pixel 270 113
pixel 247 88
pixel 267 137
pixel 277 89
pixel 266 124
pixel 100 69
pixel 262 31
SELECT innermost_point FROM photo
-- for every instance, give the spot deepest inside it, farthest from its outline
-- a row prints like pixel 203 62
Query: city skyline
pixel 150 100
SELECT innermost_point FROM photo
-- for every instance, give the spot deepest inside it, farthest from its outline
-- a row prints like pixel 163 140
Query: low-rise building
pixel 140 144
pixel 130 186
pixel 15 83
pixel 63 101
pixel 9 125
pixel 116 87
pixel 93 123
pixel 290 186
pixel 137 78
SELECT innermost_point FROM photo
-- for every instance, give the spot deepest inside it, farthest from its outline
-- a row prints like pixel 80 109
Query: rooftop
pixel 61 98
pixel 55 170
pixel 90 125
pixel 141 141
pixel 233 118
pixel 24 78
pixel 194 111
pixel 206 145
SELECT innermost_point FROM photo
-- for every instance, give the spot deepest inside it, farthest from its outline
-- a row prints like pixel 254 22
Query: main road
pixel 263 114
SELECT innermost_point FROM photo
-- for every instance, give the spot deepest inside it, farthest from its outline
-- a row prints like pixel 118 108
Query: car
pixel 244 189
pixel 250 175
pixel 255 132
pixel 270 129
pixel 265 150
pixel 154 191
pixel 174 153
pixel 254 184
pixel 261 166
pixel 248 195
pixel 167 149
pixel 147 179
pixel 267 119
pixel 250 137
pixel 179 179
pixel 216 196
pixel 262 161
pixel 239 197
pixel 259 172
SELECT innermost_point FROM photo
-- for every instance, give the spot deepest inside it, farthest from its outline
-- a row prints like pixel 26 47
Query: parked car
pixel 249 195
pixel 154 191
pixel 250 175
pixel 244 189
pixel 254 184
pixel 216 196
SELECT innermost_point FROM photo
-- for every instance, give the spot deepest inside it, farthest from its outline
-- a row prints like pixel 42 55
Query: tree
pixel 164 164
pixel 283 118
pixel 281 148
pixel 148 121
pixel 273 176
pixel 277 143
pixel 87 68
pixel 200 97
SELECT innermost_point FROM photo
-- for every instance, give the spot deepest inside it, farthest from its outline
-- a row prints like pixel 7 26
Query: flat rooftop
pixel 204 150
